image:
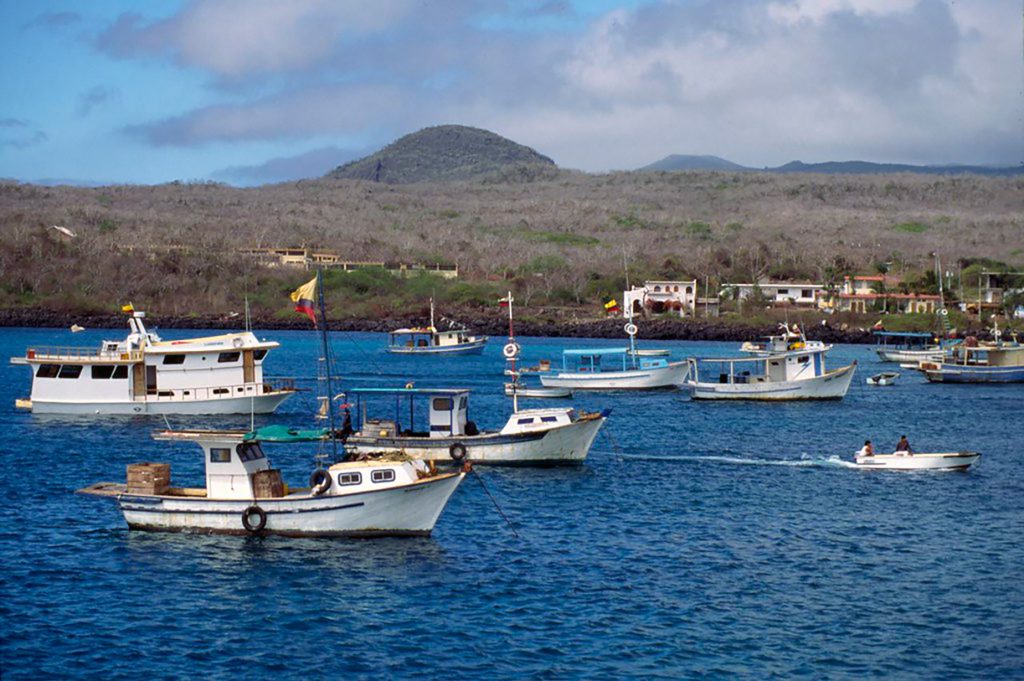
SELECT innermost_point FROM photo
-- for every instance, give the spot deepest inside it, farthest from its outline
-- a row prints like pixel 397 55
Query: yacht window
pixel 803 359
pixel 220 391
pixel 226 357
pixel 350 478
pixel 249 451
pixel 174 359
pixel 386 475
pixel 102 371
pixel 549 419
pixel 120 371
pixel 220 455
pixel 775 364
pixel 442 404
pixel 525 421
pixel 70 371
pixel 259 354
pixel 47 371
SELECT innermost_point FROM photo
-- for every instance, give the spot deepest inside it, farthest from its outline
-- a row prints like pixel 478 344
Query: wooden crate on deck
pixel 149 478
pixel 267 484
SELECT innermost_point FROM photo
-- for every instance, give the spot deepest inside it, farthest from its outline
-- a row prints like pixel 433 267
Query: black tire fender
pixel 261 519
pixel 457 451
pixel 319 482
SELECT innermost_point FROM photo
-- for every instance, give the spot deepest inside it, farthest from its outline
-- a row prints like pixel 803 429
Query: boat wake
pixel 827 462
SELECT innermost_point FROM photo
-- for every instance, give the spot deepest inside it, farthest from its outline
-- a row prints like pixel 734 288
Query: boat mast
pixel 326 359
pixel 512 360
pixel 432 327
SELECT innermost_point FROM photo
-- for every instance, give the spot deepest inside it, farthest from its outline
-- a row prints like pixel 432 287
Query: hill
pixel 442 153
pixel 691 162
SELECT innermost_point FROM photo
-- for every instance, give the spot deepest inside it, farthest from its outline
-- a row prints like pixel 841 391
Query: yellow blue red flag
pixel 303 298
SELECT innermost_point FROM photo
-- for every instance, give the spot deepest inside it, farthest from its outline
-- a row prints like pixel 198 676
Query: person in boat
pixel 867 450
pixel 903 445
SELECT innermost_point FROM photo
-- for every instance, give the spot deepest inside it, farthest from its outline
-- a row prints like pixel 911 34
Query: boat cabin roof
pixel 422 329
pixel 765 358
pixel 408 391
pixel 594 352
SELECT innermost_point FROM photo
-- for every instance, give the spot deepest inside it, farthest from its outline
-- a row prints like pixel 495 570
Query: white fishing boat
pixel 884 378
pixel 382 496
pixel 907 461
pixel 974 362
pixel 430 340
pixel 791 338
pixel 795 375
pixel 515 389
pixel 534 437
pixel 144 374
pixel 907 346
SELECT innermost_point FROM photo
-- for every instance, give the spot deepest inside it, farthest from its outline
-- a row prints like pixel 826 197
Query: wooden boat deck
pixel 113 489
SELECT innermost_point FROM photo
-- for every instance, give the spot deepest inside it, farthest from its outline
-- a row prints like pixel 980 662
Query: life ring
pixel 261 519
pixel 630 329
pixel 510 350
pixel 238 342
pixel 319 482
pixel 457 451
pixel 944 312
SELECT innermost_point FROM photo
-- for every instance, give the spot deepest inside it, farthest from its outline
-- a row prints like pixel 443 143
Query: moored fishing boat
pixel 533 437
pixel 144 374
pixel 795 375
pixel 907 346
pixel 907 461
pixel 430 340
pixel 383 496
pixel 978 364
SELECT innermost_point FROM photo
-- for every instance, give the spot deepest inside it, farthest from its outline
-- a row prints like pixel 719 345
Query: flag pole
pixel 326 358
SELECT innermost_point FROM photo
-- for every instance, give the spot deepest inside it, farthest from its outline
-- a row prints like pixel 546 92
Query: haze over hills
pixel 680 162
pixel 442 153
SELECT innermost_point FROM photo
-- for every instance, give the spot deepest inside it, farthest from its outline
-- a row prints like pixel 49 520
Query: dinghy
pixel 907 461
pixel 884 378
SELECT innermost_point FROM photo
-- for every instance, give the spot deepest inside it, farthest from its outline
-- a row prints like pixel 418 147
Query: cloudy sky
pixel 254 91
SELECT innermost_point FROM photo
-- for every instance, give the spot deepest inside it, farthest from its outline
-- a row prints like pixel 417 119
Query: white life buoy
pixel 510 350
pixel 630 329
pixel 238 342
pixel 943 312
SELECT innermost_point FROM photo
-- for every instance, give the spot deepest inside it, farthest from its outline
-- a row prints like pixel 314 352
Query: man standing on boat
pixel 903 446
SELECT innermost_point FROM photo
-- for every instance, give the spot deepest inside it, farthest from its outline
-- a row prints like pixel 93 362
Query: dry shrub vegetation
pixel 558 238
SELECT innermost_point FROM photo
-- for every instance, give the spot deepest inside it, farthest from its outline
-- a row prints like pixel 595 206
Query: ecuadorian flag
pixel 303 298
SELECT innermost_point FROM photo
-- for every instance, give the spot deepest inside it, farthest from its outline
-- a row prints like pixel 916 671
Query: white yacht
pixel 794 375
pixel 530 437
pixel 144 374
pixel 382 496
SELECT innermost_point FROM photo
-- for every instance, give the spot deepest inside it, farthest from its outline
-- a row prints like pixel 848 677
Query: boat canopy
pixel 594 352
pixel 286 434
pixel 903 334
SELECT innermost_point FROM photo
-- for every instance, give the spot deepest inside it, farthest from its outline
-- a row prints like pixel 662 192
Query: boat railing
pixel 220 391
pixel 68 353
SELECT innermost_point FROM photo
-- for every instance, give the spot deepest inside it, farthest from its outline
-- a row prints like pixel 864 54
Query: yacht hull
pixel 916 462
pixel 830 386
pixel 264 403
pixel 670 376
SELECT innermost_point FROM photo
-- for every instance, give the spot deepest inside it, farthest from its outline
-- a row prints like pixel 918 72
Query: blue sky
pixel 254 91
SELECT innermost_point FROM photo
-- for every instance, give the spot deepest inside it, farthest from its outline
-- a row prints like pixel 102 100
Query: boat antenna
pixel 327 359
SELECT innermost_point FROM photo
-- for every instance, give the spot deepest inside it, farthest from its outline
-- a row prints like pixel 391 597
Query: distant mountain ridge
pixel 442 153
pixel 680 162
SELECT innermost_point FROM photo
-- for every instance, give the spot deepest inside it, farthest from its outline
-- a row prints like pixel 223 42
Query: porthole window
pixel 386 475
pixel 350 478
pixel 220 455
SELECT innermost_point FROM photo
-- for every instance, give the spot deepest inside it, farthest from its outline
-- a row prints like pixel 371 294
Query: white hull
pixel 406 510
pixel 669 376
pixel 538 392
pixel 882 379
pixel 562 445
pixel 265 403
pixel 918 462
pixel 830 386
pixel 471 348
pixel 909 355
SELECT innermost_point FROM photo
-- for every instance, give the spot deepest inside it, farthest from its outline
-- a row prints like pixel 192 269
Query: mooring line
pixel 494 501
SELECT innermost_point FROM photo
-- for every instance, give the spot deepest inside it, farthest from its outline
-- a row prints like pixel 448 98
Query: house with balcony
pixel 779 293
pixel 657 297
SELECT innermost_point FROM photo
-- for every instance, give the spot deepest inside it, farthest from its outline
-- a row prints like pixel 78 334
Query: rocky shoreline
pixel 654 329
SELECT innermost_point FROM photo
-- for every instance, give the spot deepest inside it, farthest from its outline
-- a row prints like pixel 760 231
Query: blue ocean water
pixel 700 539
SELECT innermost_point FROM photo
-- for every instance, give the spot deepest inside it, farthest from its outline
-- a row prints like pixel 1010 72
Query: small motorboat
pixel 75 328
pixel 884 378
pixel 914 461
